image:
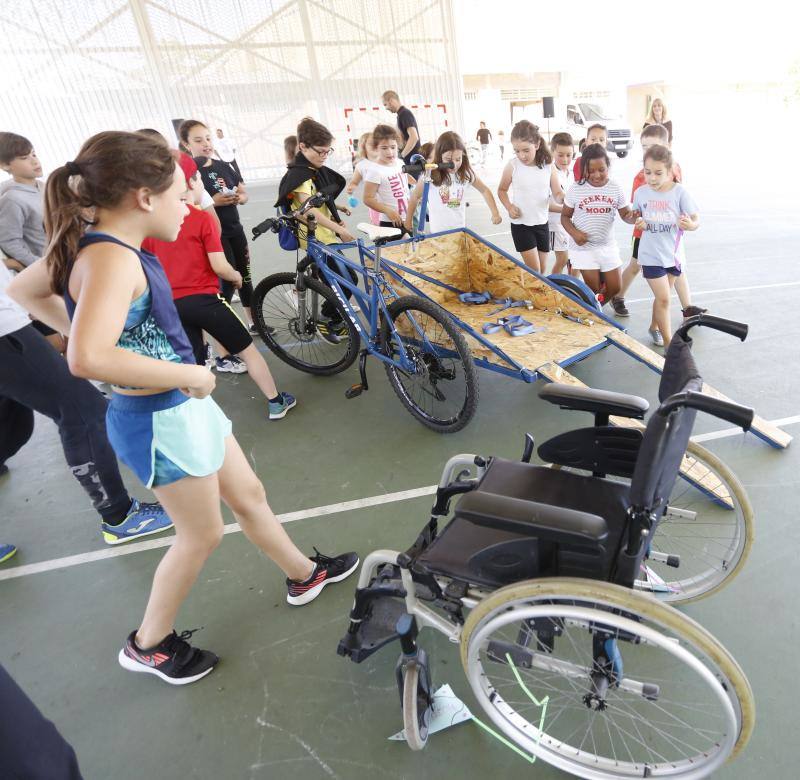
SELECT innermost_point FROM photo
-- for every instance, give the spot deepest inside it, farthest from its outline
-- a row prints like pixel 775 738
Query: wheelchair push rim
pixel 713 540
pixel 703 708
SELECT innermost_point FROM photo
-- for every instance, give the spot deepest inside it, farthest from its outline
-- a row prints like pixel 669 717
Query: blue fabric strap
pixel 514 326
pixel 471 297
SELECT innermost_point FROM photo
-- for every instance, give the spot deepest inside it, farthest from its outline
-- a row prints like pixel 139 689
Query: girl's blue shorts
pixel 165 437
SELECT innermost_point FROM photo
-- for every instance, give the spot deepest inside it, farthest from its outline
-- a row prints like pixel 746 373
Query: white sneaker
pixel 230 364
pixel 656 337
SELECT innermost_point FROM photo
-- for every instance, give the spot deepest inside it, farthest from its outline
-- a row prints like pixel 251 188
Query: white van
pixel 578 116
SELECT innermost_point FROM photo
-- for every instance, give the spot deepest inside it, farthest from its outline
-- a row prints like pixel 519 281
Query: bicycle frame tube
pixel 371 304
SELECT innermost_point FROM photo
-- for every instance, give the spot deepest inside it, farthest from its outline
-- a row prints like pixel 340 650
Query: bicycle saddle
pixel 374 232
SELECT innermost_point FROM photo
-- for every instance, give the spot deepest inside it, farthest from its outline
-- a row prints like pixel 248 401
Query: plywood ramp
pixel 761 427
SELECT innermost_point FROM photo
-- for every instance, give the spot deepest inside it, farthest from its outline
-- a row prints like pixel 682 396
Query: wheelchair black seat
pixel 524 521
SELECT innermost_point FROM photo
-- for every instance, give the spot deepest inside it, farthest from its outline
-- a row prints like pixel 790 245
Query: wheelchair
pixel 544 575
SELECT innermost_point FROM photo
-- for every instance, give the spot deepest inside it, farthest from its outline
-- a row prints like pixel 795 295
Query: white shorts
pixel 596 258
pixel 559 239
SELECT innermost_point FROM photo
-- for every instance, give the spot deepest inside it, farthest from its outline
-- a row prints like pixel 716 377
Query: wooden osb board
pixel 764 428
pixel 464 262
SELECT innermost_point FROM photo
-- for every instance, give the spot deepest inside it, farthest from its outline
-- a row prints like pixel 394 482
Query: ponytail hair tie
pixel 73 169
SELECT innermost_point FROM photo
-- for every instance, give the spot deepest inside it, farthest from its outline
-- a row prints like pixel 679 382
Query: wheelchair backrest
pixel 666 436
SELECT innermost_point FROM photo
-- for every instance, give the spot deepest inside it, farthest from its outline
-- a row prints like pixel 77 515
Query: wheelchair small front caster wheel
pixel 417 709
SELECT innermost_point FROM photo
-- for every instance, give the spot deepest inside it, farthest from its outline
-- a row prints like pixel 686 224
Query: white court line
pixel 724 434
pixel 727 290
pixel 489 235
pixel 230 528
pixel 289 517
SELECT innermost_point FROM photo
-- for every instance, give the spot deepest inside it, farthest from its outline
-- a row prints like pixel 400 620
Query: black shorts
pixel 213 314
pixel 635 249
pixel 45 330
pixel 531 237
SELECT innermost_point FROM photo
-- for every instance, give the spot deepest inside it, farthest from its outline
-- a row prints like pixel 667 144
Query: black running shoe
pixel 326 571
pixel 173 659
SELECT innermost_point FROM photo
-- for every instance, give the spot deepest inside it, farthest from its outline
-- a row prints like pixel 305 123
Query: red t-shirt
pixel 185 260
pixel 638 181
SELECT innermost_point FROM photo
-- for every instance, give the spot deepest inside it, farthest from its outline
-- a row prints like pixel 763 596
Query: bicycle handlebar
pixel 273 224
pixel 415 168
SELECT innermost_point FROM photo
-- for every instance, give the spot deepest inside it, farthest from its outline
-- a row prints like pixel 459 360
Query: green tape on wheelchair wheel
pixel 543 704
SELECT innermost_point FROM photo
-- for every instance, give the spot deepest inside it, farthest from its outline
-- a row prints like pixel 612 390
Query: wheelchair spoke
pixel 575 718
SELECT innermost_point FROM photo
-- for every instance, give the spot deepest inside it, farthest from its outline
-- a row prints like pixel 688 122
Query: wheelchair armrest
pixel 531 518
pixel 586 399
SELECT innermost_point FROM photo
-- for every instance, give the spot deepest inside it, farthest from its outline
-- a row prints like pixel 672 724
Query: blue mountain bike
pixel 319 317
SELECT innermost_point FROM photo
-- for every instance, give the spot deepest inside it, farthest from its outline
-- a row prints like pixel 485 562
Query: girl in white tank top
pixel 532 179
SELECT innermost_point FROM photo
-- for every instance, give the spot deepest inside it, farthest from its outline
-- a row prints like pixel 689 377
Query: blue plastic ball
pixel 352 201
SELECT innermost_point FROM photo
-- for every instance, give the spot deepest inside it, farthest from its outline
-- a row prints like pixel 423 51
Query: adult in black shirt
pixel 484 135
pixel 406 124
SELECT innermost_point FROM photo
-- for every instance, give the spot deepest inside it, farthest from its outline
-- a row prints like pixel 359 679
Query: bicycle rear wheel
pixel 442 391
pixel 299 341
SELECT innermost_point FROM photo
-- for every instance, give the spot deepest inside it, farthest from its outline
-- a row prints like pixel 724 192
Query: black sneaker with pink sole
pixel 326 571
pixel 173 659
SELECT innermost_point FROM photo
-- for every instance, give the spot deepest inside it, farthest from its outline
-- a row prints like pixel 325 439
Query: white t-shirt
pixel 12 315
pixel 565 180
pixel 595 208
pixel 362 166
pixel 447 207
pixel 530 186
pixel 225 148
pixel 392 186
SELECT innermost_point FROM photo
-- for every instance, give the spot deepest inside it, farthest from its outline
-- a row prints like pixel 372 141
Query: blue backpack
pixel 286 236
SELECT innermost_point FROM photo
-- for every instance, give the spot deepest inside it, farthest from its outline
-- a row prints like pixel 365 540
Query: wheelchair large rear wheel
pixel 605 682
pixel 303 342
pixel 442 390
pixel 708 527
pixel 707 530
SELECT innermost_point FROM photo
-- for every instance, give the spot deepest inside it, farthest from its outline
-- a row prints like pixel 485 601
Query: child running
pixel 194 263
pixel 534 181
pixel 595 134
pixel 364 159
pixel 563 150
pixel 227 189
pixel 162 421
pixel 385 183
pixel 667 212
pixel 652 135
pixel 447 206
pixel 588 217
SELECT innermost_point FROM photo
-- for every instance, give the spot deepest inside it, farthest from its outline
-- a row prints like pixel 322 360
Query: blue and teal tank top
pixel 152 327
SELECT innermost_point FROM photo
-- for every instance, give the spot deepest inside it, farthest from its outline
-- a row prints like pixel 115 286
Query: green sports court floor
pixel 282 704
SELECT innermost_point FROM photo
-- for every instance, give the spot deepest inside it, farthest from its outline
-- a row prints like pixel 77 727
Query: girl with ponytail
pixel 162 421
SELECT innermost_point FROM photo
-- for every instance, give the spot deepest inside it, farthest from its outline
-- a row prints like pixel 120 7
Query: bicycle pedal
pixel 354 391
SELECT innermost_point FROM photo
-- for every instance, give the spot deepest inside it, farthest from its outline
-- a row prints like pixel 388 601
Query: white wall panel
pixel 252 67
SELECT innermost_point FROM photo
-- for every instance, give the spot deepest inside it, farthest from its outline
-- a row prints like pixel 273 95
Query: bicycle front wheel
pixel 304 342
pixel 441 390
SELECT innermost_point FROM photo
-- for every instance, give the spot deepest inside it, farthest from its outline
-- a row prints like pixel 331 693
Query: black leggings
pixel 37 378
pixel 237 253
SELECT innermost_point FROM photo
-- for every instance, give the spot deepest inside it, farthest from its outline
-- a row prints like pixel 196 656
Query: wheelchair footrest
pixel 375 631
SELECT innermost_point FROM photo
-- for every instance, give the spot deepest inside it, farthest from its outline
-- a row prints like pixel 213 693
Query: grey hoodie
pixel 21 221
